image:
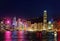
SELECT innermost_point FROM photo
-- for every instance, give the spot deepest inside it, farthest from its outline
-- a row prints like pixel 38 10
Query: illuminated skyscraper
pixel 14 23
pixel 45 20
pixel 40 26
pixel 50 25
pixel 25 25
pixel 35 26
pixel 19 24
pixel 8 23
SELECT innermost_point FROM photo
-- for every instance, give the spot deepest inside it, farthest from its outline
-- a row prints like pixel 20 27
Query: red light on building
pixel 58 22
pixel 7 21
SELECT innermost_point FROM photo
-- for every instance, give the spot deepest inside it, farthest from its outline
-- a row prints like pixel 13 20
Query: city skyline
pixel 29 20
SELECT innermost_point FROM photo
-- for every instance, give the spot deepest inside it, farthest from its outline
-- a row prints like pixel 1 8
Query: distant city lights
pixel 49 22
pixel 21 24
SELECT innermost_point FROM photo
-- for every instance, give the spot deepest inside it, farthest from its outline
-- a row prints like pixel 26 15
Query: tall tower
pixel 19 24
pixel 14 23
pixel 45 20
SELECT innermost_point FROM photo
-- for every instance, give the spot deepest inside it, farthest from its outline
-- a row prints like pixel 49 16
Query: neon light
pixel 8 22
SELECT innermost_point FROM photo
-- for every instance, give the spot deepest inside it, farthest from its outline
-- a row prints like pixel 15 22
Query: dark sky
pixel 29 8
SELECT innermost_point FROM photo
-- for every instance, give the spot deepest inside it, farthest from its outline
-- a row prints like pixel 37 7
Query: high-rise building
pixel 45 20
pixel 50 25
pixel 25 25
pixel 20 24
pixel 35 26
pixel 14 23
pixel 40 26
pixel 29 25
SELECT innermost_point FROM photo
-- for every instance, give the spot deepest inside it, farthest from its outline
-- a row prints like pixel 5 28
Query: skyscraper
pixel 14 23
pixel 45 20
pixel 19 24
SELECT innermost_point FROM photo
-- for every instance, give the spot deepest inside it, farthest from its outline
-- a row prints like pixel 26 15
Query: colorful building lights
pixel 21 24
pixel 7 22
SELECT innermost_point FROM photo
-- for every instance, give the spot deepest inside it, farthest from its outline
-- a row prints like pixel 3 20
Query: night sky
pixel 29 8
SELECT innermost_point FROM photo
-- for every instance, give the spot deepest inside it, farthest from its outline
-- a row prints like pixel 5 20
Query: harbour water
pixel 28 36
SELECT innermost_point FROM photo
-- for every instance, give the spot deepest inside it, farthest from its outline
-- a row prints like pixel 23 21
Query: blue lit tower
pixel 45 20
pixel 14 23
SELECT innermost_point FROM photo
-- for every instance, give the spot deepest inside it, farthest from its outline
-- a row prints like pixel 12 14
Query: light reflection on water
pixel 8 36
pixel 24 36
pixel 20 34
pixel 14 36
